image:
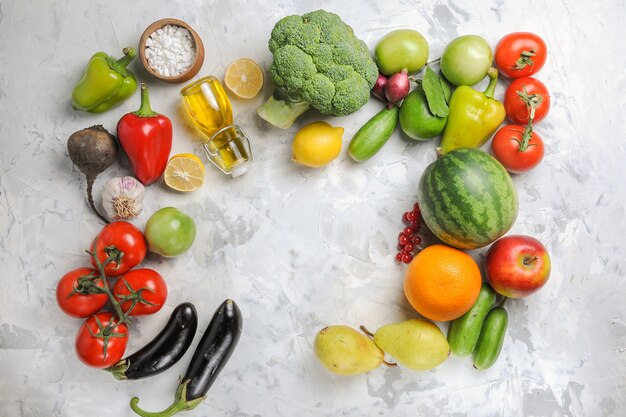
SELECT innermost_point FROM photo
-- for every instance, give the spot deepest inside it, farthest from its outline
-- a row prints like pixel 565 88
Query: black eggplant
pixel 164 350
pixel 213 351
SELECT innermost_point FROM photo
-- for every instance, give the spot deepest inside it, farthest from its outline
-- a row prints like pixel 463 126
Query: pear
pixel 345 351
pixel 416 343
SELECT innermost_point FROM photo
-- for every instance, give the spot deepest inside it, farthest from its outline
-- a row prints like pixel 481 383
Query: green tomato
pixel 403 48
pixel 466 59
pixel 170 232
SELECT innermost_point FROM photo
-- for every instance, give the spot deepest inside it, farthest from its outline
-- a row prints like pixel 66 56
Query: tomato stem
pixel 531 101
pixel 86 284
pixel 526 137
pixel 104 333
pixel 525 58
pixel 134 296
pixel 113 255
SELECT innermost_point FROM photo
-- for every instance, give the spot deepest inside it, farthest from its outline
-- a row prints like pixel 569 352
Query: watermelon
pixel 467 199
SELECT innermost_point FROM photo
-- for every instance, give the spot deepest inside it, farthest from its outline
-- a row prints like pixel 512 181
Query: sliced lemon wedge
pixel 244 78
pixel 184 172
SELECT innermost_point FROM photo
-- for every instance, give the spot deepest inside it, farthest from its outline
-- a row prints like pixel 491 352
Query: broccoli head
pixel 318 62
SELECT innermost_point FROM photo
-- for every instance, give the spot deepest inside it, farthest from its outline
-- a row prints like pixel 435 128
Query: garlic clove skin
pixel 122 197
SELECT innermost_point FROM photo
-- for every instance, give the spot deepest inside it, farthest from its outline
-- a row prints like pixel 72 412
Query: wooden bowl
pixel 198 59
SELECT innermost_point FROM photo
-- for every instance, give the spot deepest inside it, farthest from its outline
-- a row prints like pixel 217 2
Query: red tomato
pixel 129 242
pixel 146 287
pixel 507 148
pixel 72 297
pixel 98 330
pixel 520 54
pixel 521 95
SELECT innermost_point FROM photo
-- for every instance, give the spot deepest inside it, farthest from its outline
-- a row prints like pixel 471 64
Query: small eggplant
pixel 164 350
pixel 213 351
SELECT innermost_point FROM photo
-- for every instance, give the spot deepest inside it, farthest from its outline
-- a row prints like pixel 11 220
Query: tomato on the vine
pixel 122 241
pixel 515 151
pixel 101 340
pixel 72 294
pixel 520 54
pixel 140 292
pixel 521 96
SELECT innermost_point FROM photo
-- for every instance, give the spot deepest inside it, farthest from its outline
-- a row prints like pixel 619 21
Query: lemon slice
pixel 244 78
pixel 184 172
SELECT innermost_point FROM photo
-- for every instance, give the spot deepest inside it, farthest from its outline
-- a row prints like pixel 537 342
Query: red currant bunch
pixel 409 240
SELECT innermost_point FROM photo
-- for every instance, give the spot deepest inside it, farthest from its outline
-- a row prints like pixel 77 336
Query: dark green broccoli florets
pixel 291 68
pixel 319 91
pixel 317 61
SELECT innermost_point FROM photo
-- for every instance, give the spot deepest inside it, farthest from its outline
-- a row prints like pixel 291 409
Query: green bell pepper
pixel 105 83
pixel 474 116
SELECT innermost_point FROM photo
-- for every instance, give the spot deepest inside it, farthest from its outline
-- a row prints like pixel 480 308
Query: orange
pixel 442 283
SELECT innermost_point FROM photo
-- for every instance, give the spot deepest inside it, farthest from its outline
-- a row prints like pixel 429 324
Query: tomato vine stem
pixel 106 288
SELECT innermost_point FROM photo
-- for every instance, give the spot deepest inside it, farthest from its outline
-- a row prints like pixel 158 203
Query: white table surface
pixel 299 249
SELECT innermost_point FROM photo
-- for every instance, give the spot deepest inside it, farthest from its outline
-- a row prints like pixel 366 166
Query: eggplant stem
pixel 180 403
pixel 90 181
pixel 169 411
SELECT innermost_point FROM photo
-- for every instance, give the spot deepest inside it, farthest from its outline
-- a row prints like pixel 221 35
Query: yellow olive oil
pixel 228 148
pixel 208 105
pixel 225 144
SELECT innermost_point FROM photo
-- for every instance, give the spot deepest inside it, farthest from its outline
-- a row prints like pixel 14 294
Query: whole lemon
pixel 317 144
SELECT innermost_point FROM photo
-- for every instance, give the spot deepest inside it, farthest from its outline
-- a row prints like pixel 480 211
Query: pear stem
pixel 367 332
pixel 390 364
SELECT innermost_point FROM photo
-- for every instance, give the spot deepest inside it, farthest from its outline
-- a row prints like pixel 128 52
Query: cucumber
pixel 371 137
pixel 464 331
pixel 491 338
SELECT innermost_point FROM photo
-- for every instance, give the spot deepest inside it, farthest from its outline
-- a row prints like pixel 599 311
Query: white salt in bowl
pixel 198 59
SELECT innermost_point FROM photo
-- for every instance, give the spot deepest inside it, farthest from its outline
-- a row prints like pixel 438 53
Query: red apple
pixel 517 266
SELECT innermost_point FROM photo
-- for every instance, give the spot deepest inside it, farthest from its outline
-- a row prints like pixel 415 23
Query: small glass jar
pixel 229 149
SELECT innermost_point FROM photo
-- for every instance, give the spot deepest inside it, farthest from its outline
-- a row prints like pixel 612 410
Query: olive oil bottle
pixel 225 144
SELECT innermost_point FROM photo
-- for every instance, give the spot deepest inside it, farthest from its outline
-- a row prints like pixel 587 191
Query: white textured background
pixel 299 249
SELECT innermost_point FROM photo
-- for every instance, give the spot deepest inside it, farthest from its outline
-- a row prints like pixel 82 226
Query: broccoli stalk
pixel 282 113
pixel 319 63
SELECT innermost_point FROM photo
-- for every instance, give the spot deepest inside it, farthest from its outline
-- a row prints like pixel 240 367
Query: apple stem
pixel 528 262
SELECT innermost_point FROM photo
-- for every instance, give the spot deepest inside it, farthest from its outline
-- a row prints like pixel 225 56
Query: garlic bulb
pixel 122 198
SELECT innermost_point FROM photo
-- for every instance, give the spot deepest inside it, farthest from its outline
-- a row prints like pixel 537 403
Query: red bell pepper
pixel 146 137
